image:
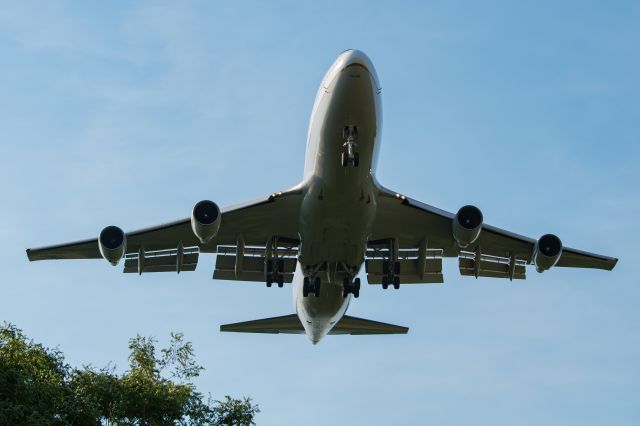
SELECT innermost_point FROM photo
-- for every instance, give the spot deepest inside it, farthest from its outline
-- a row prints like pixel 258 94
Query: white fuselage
pixel 339 205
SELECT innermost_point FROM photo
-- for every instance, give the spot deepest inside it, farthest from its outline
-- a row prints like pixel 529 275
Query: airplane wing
pixel 422 236
pixel 252 224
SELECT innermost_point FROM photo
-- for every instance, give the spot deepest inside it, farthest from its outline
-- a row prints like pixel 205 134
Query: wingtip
pixel 613 263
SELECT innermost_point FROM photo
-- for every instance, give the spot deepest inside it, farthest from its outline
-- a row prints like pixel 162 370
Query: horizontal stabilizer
pixel 290 324
pixel 287 324
pixel 353 326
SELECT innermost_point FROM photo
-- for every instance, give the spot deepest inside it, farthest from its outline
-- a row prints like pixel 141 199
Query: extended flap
pixel 174 260
pixel 481 265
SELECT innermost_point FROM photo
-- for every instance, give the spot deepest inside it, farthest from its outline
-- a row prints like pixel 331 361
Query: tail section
pixel 290 324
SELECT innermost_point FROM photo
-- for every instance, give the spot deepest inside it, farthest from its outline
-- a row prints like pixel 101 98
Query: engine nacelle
pixel 547 252
pixel 205 220
pixel 113 244
pixel 467 225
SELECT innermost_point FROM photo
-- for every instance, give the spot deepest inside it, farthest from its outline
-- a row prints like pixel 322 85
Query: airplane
pixel 319 233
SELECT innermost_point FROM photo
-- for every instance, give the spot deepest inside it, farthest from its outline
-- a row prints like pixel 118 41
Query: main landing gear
pixel 391 271
pixel 275 272
pixel 311 285
pixel 277 253
pixel 351 286
pixel 349 154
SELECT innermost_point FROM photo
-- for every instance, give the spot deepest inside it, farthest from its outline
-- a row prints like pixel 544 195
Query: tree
pixel 32 380
pixel 37 387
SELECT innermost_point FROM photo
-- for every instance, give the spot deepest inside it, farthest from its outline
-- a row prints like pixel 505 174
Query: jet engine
pixel 113 244
pixel 546 252
pixel 467 225
pixel 205 220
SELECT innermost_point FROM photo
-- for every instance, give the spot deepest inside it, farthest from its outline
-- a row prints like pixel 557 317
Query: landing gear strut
pixel 349 155
pixel 275 272
pixel 391 274
pixel 351 286
pixel 274 265
pixel 311 285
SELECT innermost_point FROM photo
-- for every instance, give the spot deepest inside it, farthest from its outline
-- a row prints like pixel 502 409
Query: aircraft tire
pixel 346 287
pixel 356 288
pixel 305 287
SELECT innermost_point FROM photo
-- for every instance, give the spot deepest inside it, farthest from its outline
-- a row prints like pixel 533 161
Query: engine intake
pixel 547 252
pixel 467 225
pixel 113 244
pixel 205 220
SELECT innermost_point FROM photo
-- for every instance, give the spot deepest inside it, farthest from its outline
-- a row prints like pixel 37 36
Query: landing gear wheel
pixel 356 159
pixel 316 287
pixel 385 283
pixel 280 281
pixel 344 159
pixel 269 280
pixel 346 287
pixel 356 288
pixel 305 287
pixel 396 282
pixel 396 268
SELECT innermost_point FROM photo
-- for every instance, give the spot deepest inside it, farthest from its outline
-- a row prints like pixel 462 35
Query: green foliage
pixel 235 412
pixel 38 388
pixel 31 380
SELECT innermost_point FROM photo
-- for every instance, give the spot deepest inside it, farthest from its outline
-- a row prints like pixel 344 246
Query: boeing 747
pixel 318 234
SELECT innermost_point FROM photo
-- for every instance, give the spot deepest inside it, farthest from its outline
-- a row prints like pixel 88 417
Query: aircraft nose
pixel 356 57
pixel 347 60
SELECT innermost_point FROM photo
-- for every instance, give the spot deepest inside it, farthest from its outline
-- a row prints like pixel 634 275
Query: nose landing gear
pixel 349 154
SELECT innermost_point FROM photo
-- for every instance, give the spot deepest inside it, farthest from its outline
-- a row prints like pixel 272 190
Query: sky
pixel 128 113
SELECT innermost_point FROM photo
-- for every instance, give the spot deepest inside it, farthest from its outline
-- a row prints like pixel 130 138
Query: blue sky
pixel 128 113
